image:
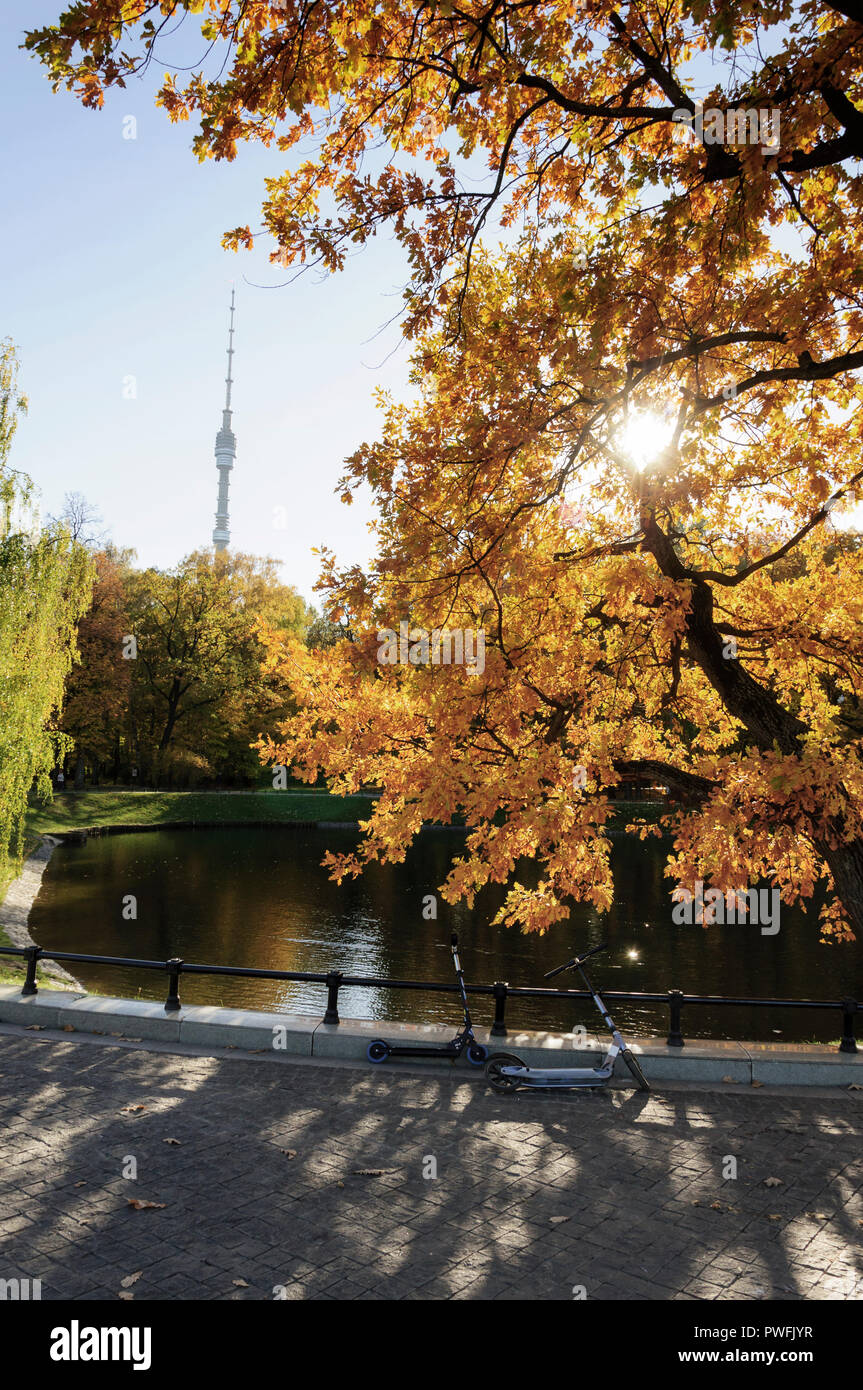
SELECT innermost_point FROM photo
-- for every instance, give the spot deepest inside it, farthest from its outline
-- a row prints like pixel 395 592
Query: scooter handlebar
pixel 550 974
pixel 576 960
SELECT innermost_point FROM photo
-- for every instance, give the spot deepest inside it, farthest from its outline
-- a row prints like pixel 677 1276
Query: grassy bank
pixel 79 810
pixel 13 969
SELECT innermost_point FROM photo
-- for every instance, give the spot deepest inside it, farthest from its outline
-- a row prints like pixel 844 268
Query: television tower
pixel 226 451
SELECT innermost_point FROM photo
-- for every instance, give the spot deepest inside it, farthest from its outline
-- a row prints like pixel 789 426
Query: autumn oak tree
pixel 592 267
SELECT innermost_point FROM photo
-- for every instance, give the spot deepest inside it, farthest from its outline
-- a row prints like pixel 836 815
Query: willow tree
pixel 638 420
pixel 45 582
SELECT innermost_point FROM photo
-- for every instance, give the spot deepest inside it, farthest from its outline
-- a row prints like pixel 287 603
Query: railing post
pixel 173 966
pixel 849 1010
pixel 499 989
pixel 675 1004
pixel 33 955
pixel 334 980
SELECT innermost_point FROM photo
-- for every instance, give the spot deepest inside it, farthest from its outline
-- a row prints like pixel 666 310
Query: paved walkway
pixel 535 1196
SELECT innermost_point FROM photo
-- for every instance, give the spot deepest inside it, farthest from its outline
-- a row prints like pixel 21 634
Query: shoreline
pixel 18 900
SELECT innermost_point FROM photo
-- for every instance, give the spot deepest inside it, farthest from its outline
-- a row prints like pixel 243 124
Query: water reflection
pixel 259 897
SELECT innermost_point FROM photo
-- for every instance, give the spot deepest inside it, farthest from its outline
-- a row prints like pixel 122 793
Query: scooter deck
pixel 559 1076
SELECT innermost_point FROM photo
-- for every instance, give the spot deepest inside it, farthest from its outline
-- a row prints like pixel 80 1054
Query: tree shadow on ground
pixel 304 1180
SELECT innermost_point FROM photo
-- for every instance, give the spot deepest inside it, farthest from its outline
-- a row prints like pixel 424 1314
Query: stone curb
pixel 743 1063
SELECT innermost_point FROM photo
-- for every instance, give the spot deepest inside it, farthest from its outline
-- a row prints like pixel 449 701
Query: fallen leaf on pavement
pixel 373 1172
pixel 556 1220
pixel 289 1153
pixel 131 1279
pixel 126 1296
pixel 170 1141
pixel 145 1206
pixel 132 1109
pixel 240 1283
pixel 772 1182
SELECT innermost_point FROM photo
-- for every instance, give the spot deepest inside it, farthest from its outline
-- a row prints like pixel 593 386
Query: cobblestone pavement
pixel 535 1196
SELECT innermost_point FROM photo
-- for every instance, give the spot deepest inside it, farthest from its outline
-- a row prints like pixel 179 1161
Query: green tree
pixel 200 696
pixel 45 586
pixel 97 691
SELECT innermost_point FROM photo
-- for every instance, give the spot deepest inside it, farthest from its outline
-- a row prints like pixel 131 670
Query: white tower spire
pixel 226 450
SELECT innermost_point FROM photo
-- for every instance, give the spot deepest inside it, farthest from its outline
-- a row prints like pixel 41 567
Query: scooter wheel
pixel 476 1054
pixel 378 1051
pixel 504 1085
pixel 632 1063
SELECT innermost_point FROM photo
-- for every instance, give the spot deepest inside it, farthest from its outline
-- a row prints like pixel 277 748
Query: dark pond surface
pixel 259 897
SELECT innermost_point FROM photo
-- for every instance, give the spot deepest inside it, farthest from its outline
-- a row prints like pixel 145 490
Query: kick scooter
pixel 506 1073
pixel 379 1051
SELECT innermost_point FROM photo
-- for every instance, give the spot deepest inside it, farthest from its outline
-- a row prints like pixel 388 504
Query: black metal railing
pixel 501 991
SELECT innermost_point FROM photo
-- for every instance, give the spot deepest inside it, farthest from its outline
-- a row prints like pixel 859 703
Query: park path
pixel 536 1197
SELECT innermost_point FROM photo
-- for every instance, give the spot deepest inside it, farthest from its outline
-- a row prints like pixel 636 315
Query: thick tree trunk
pixel 846 866
pixel 79 771
pixel 765 719
pixel 769 724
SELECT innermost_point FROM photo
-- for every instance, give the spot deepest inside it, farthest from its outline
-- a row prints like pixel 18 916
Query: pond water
pixel 258 897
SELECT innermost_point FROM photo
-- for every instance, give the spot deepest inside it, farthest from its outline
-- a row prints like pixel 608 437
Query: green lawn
pixel 13 969
pixel 80 810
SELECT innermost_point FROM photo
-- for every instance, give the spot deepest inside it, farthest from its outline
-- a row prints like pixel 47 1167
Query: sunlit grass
pixel 81 810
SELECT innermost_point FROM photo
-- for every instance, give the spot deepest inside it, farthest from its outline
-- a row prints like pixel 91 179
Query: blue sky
pixel 112 268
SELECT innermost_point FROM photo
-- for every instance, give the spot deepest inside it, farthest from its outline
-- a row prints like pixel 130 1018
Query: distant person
pixel 61 780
